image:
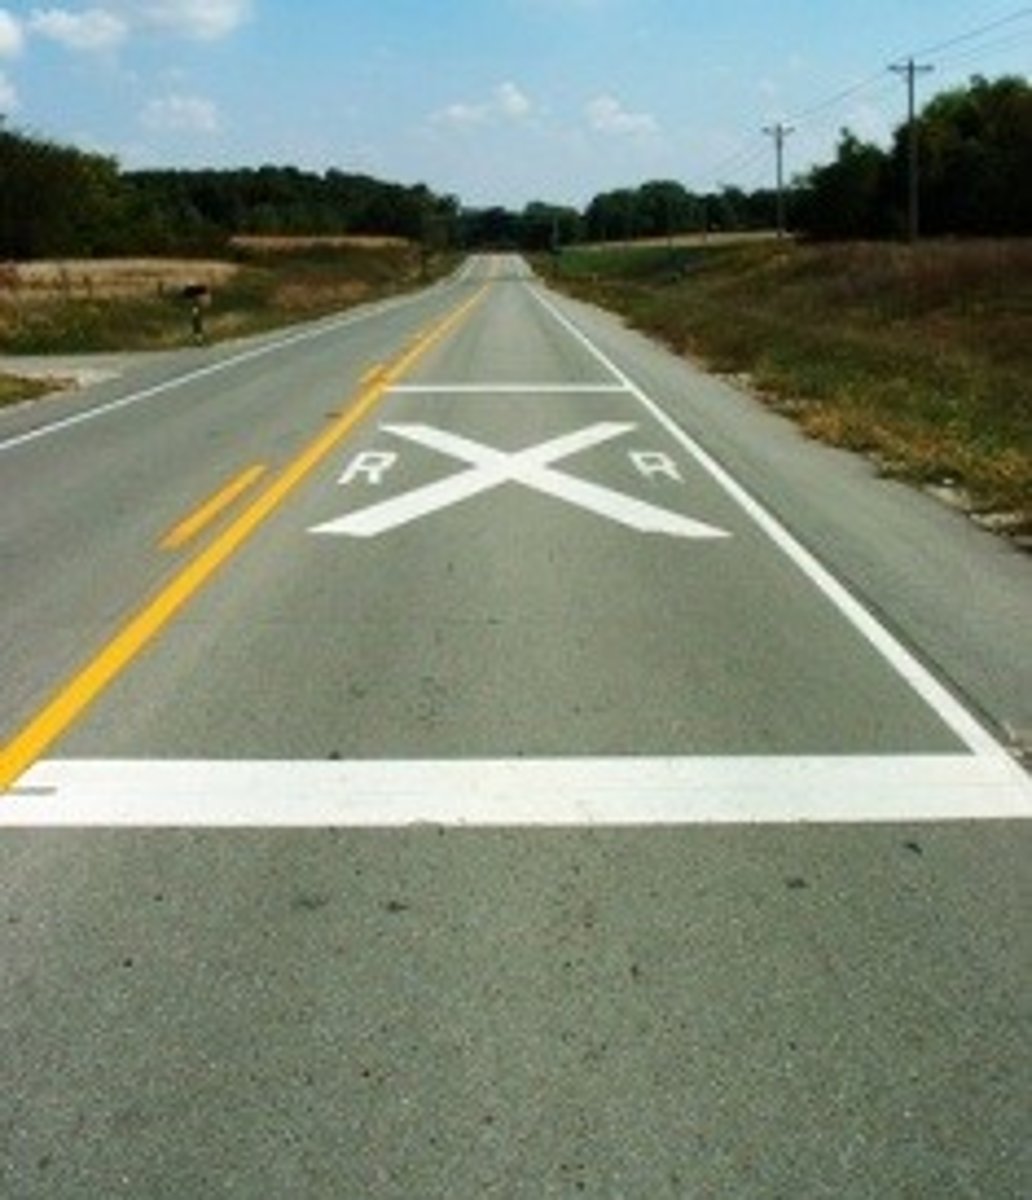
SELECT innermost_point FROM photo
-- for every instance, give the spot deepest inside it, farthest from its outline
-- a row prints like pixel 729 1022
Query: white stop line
pixel 531 467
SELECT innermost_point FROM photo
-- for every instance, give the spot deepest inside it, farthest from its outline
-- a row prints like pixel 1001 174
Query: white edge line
pixel 949 710
pixel 225 364
pixel 433 389
pixel 567 792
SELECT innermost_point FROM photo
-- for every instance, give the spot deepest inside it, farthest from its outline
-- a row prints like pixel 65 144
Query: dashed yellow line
pixel 79 692
pixel 206 513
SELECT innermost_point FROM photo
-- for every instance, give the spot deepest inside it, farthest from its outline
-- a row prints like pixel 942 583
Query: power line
pixel 873 93
pixel 745 157
pixel 753 171
pixel 1009 19
pixel 863 85
pixel 745 153
pixel 838 97
pixel 981 51
pixel 826 126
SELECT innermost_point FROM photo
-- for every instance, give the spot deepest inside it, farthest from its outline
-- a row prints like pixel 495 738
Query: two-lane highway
pixel 651 850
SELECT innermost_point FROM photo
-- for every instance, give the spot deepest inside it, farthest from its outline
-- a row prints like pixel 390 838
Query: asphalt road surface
pixel 460 749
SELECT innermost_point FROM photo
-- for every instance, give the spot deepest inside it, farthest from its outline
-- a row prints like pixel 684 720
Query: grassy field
pixel 14 389
pixel 920 357
pixel 137 304
pixel 289 245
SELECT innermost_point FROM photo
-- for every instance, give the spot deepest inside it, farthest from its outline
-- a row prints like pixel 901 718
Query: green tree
pixel 613 216
pixel 976 159
pixel 847 198
pixel 546 226
pixel 664 208
pixel 55 200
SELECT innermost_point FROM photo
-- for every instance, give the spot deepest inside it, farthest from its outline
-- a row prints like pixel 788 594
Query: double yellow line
pixel 202 517
pixel 78 693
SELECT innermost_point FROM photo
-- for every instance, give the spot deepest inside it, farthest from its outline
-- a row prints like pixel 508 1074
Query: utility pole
pixel 779 132
pixel 911 70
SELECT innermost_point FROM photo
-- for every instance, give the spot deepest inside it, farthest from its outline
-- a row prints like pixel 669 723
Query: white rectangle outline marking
pixel 948 709
pixel 565 792
pixel 625 791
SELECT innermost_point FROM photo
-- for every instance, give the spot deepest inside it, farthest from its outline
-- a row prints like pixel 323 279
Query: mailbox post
pixel 197 296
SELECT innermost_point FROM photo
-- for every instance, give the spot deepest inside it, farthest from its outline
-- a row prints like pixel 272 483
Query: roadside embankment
pixel 16 388
pixel 920 357
pixel 85 306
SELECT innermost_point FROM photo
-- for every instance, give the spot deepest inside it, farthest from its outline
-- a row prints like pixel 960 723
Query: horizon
pixel 499 104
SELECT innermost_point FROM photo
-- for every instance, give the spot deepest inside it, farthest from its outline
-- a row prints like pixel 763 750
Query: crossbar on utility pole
pixel 779 132
pixel 911 70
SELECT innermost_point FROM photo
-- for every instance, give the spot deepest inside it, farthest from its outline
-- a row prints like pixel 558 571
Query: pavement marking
pixel 565 792
pixel 949 710
pixel 530 389
pixel 102 410
pixel 373 372
pixel 370 466
pixel 531 467
pixel 654 464
pixel 79 692
pixel 207 512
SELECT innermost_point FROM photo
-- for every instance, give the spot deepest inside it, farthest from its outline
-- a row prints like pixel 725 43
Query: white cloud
pixel 11 37
pixel 90 30
pixel 181 114
pixel 507 103
pixel 8 95
pixel 109 24
pixel 462 115
pixel 607 115
pixel 205 20
pixel 511 102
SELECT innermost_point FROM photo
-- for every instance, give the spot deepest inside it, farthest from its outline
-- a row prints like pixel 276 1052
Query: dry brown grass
pixel 108 278
pixel 315 295
pixel 137 304
pixel 14 388
pixel 680 240
pixel 281 244
pixel 919 356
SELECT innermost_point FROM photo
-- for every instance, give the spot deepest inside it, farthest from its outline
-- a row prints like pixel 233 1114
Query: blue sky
pixel 497 101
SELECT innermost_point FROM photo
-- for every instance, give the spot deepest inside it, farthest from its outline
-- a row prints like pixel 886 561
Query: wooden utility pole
pixel 779 132
pixel 911 70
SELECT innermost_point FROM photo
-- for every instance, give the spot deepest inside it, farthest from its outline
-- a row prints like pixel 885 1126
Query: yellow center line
pixel 79 692
pixel 375 370
pixel 203 516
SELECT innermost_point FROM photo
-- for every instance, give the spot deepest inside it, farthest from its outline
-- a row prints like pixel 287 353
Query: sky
pixel 494 101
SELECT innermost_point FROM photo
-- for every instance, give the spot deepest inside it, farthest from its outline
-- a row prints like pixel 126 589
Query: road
pixel 459 748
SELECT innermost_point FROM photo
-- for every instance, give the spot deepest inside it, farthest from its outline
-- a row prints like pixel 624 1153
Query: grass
pixel 137 304
pixel 14 389
pixel 109 278
pixel 920 357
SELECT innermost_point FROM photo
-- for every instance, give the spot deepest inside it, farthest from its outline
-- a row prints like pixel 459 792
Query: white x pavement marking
pixel 531 467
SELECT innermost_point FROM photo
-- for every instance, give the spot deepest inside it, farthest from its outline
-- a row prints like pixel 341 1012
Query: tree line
pixel 974 151
pixel 975 155
pixel 974 144
pixel 58 201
